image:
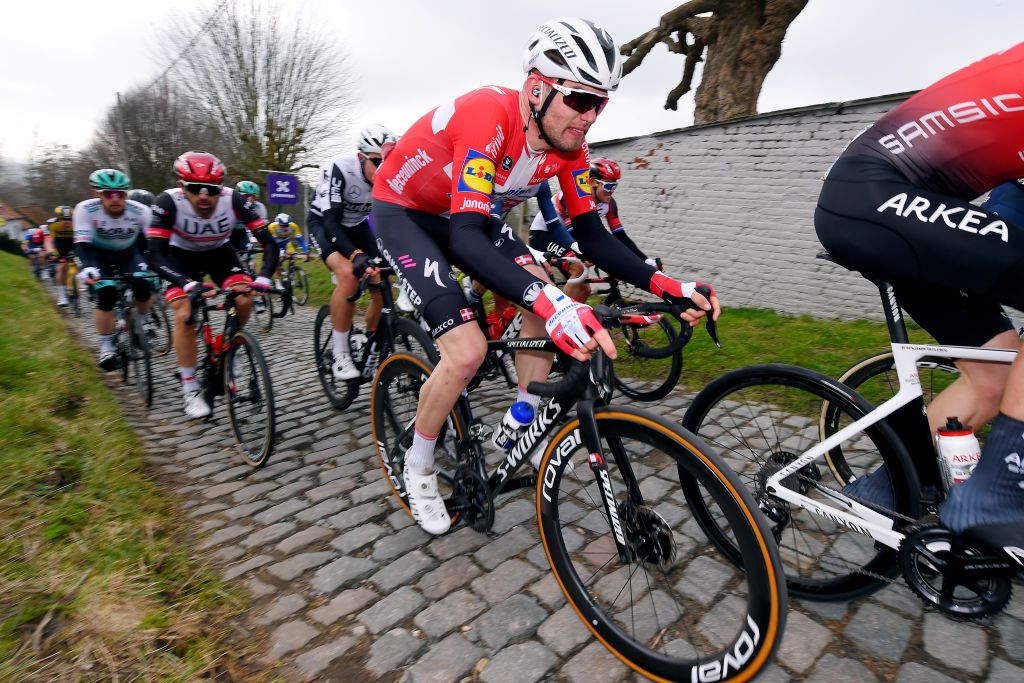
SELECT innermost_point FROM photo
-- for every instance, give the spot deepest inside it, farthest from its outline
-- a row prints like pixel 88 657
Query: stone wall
pixel 733 203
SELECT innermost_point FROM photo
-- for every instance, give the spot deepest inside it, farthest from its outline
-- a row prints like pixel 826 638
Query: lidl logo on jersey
pixel 477 173
pixel 582 181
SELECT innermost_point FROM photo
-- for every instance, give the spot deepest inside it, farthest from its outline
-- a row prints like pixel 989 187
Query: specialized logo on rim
pixel 477 173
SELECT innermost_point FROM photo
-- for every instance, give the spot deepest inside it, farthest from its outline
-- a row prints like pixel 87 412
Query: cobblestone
pixel 311 663
pixel 297 564
pixel 508 621
pixel 392 650
pixel 283 607
pixel 964 646
pixel 302 539
pixel 288 638
pixel 455 610
pixel 454 573
pixel 449 660
pixel 343 604
pixel 522 663
pixel 879 631
pixel 394 608
pixel 340 573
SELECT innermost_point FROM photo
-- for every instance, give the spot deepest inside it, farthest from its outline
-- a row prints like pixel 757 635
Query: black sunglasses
pixel 196 188
pixel 376 161
pixel 580 101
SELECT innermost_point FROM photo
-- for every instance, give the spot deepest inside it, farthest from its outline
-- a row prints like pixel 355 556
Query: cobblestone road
pixel 346 588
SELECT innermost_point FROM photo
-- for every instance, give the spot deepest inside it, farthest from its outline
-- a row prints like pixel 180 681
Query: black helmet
pixel 141 196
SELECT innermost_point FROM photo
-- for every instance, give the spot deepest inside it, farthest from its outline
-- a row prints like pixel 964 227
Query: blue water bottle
pixel 516 419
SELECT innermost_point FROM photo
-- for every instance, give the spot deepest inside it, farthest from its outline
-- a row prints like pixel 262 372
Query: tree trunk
pixel 746 46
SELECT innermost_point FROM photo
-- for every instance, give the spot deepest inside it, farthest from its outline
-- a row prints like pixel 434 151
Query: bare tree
pixel 276 84
pixel 159 124
pixel 57 175
pixel 742 40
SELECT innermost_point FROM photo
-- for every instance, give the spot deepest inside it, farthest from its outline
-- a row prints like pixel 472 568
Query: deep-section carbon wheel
pixel 672 606
pixel 250 399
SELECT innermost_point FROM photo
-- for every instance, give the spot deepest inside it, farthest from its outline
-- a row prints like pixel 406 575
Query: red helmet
pixel 199 167
pixel 605 169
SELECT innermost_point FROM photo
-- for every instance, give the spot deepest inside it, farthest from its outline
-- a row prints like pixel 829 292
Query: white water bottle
pixel 959 450
pixel 516 419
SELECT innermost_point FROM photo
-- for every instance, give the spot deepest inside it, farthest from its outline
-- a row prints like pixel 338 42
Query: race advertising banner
pixel 282 189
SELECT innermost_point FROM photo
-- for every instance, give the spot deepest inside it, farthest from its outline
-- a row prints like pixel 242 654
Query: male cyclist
pixel 36 240
pixel 339 225
pixel 106 233
pixel 896 205
pixel 62 232
pixel 432 206
pixel 188 240
pixel 604 179
pixel 241 239
pixel 286 232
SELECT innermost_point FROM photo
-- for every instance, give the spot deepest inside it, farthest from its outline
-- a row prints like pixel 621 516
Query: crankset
pixel 471 498
pixel 649 537
pixel 961 578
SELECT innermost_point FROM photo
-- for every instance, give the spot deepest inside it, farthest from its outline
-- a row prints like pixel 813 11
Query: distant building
pixel 17 219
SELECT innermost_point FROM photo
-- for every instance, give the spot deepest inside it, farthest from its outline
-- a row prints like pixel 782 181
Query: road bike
pixel 131 343
pixel 294 279
pixel 394 332
pixel 629 567
pixel 797 437
pixel 232 365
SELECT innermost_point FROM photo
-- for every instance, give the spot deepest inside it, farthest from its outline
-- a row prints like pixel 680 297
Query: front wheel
pixel 645 369
pixel 762 418
pixel 158 326
pixel 672 606
pixel 263 311
pixel 300 286
pixel 141 359
pixel 250 398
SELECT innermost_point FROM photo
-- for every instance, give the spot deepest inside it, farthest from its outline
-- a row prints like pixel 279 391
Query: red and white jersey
pixel 174 218
pixel 961 136
pixel 464 154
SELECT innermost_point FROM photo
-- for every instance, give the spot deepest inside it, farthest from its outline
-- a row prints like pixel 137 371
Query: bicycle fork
pixel 596 460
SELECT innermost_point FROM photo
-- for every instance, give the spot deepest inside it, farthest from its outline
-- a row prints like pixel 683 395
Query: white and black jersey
pixel 94 226
pixel 175 219
pixel 344 189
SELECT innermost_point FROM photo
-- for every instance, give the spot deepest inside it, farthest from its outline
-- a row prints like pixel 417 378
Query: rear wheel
pixel 673 607
pixel 393 403
pixel 763 417
pixel 250 399
pixel 339 392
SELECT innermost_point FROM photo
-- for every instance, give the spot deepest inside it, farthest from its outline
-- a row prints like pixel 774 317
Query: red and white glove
pixel 192 284
pixel 569 323
pixel 664 286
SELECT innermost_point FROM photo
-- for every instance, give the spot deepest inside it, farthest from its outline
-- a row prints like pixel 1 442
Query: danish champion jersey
pixel 464 154
pixel 342 185
pixel 174 218
pixel 95 226
pixel 961 136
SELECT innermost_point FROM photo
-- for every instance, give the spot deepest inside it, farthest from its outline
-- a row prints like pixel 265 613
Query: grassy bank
pixel 95 581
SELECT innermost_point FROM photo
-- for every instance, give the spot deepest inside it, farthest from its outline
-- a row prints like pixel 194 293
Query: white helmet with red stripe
pixel 574 49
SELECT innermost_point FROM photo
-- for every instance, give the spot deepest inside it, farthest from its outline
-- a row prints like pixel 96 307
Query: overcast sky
pixel 63 60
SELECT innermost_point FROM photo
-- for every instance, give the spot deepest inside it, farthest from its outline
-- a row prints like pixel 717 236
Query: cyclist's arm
pixel 557 231
pixel 158 240
pixel 335 212
pixel 247 212
pixel 615 225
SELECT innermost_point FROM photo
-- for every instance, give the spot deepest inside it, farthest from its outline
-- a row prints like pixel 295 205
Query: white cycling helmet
pixel 283 219
pixel 373 137
pixel 574 49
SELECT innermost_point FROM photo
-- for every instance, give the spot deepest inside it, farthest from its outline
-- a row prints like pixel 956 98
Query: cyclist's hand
pixel 208 288
pixel 89 276
pixel 655 263
pixel 572 325
pixel 262 284
pixel 664 286
pixel 360 264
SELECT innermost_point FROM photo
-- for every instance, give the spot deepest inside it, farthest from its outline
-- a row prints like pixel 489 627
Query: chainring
pixel 471 496
pixel 960 578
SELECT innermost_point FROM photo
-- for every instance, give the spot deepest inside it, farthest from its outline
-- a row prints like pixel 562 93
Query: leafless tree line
pixel 257 82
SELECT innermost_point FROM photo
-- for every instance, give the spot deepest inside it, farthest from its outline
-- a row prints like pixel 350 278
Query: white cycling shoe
pixel 426 503
pixel 538 453
pixel 343 368
pixel 403 302
pixel 195 405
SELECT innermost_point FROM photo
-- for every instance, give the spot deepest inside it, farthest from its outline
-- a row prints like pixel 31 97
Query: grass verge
pixel 95 581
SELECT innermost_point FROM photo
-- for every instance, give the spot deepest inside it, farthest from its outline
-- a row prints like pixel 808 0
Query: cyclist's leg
pixel 958 319
pixel 190 264
pixel 106 295
pixel 362 236
pixel 142 288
